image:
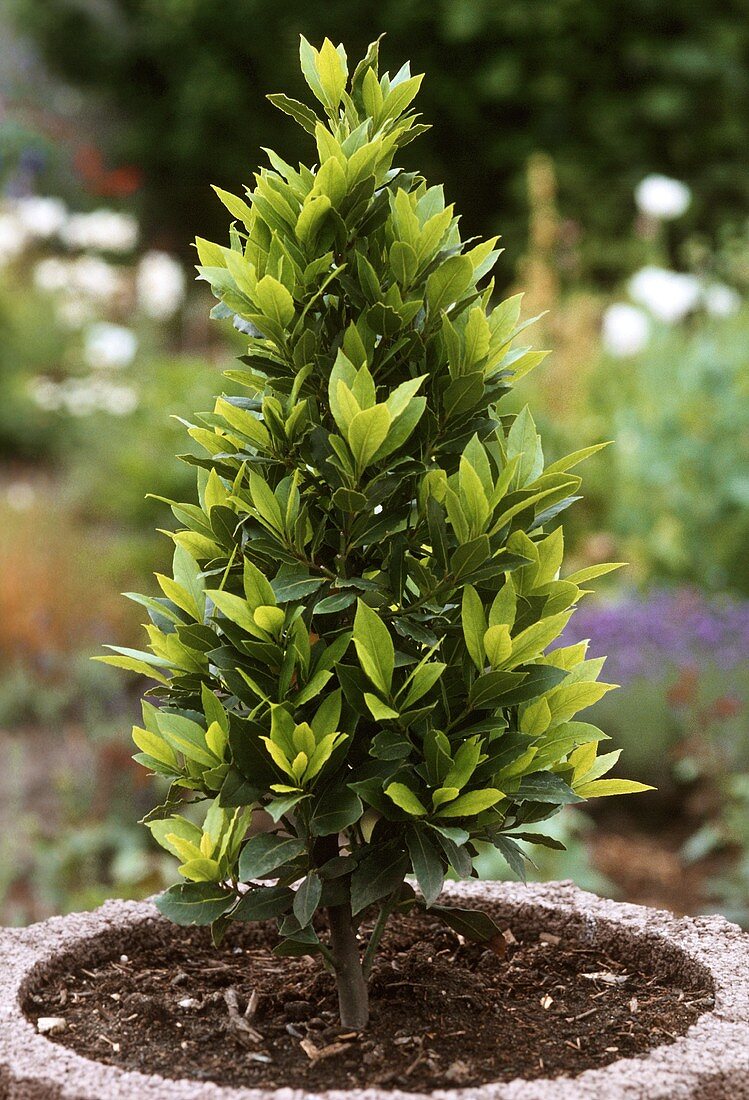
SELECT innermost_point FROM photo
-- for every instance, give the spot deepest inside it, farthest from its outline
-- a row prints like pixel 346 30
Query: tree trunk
pixel 353 995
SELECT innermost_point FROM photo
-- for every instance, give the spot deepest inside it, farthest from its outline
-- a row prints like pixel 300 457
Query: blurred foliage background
pixel 610 152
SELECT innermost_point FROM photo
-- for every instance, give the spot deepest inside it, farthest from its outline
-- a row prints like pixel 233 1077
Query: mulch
pixel 444 1013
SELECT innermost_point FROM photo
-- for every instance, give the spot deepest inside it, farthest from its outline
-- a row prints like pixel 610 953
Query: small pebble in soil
pixel 48 1025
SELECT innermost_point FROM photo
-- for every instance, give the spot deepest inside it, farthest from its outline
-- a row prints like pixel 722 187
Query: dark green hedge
pixel 612 90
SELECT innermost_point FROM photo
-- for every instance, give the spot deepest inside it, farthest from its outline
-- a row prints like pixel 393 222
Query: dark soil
pixel 444 1013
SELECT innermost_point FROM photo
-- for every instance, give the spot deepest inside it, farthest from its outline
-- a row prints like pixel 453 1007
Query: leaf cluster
pixel 356 636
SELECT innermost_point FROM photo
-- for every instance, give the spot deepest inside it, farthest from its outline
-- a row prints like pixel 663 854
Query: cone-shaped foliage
pixel 356 634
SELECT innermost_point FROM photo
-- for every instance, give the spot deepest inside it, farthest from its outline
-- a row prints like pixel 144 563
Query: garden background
pixel 613 157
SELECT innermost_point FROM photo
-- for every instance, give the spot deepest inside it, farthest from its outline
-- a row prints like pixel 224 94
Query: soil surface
pixel 444 1013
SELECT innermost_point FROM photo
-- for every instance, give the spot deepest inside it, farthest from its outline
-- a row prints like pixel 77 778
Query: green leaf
pixel 367 432
pixel 603 788
pixel 237 207
pixel 257 588
pixel 464 764
pixel 473 802
pixel 334 810
pixel 542 839
pixel 504 607
pixel 236 609
pixel 404 262
pixel 349 500
pixel 307 898
pixel 545 787
pixel 469 557
pixel 337 602
pixel 427 864
pixel 186 737
pixel 332 72
pixel 133 664
pixel 378 709
pixel 274 300
pixel 198 903
pixel 264 902
pixel 531 642
pixel 155 746
pixel 292 584
pixel 265 501
pixel 405 799
pixel 474 625
pixel 512 853
pixel 452 832
pixel 424 679
pixel 448 283
pixel 265 853
pixel 570 460
pixel 377 876
pixel 374 647
pixel 277 807
pixel 498 644
pixel 581 576
pixel 488 689
pixel 390 744
pixel 536 717
pixel 472 924
pixel 300 112
pixel 303 941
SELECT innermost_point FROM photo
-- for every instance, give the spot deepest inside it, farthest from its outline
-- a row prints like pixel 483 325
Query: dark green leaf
pixel 470 923
pixel 469 557
pixel 426 862
pixel 545 787
pixel 541 839
pixel 264 902
pixel 334 810
pixel 265 853
pixel 377 876
pixel 195 902
pixel 307 898
pixel 512 853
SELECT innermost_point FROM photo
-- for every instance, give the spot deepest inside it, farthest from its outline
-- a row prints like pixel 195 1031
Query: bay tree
pixel 355 638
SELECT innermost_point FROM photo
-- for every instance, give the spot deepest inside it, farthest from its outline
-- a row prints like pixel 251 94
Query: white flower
pixel 103 230
pixel 118 400
pixel 51 274
pixel 79 396
pixel 721 300
pixel 96 278
pixel 41 217
pixel 160 285
pixel 662 197
pixel 45 393
pixel 668 295
pixel 625 330
pixel 13 237
pixel 109 346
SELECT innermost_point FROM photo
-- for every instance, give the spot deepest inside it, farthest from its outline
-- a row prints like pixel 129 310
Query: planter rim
pixel 710 1061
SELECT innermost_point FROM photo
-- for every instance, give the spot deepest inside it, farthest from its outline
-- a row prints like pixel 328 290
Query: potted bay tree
pixel 357 676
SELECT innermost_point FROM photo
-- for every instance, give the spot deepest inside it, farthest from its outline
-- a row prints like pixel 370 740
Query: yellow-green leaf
pixel 473 802
pixel 498 644
pixel 405 799
pixel 602 788
pixel 367 432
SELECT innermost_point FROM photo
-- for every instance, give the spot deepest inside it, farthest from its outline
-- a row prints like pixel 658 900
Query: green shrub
pixel 354 635
pixel 674 490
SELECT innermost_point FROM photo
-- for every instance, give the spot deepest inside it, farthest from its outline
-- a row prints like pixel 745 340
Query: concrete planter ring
pixel 709 1062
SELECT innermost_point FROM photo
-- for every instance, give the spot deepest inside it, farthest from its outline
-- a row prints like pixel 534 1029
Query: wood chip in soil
pixel 443 1013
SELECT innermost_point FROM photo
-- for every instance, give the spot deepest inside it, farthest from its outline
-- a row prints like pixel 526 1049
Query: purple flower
pixel 642 634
